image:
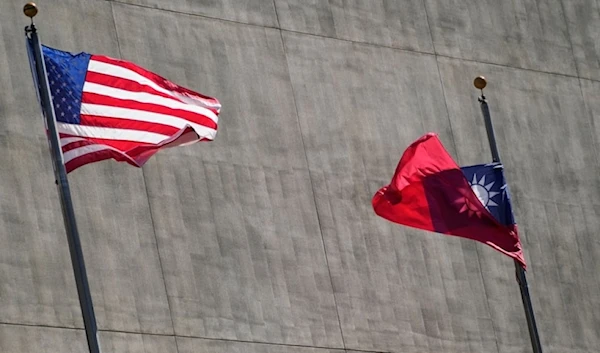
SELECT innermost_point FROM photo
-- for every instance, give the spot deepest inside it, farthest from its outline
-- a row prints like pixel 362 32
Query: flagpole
pixel 83 290
pixel 480 84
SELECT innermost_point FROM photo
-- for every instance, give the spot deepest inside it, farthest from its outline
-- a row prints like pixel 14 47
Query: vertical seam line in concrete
pixel 487 297
pixel 162 271
pixel 312 185
pixel 589 113
pixel 278 23
pixel 579 78
pixel 566 21
pixel 435 53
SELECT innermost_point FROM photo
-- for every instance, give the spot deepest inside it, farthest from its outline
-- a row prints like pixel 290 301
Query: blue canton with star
pixel 488 183
pixel 66 76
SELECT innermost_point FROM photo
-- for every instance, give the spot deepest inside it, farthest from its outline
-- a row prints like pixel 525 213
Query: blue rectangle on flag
pixel 488 183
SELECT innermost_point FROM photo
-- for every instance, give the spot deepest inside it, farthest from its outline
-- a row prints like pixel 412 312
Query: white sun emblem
pixel 483 192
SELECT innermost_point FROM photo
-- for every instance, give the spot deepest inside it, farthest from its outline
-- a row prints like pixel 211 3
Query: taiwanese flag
pixel 430 191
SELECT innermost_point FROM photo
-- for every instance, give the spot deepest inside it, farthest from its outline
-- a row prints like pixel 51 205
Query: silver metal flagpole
pixel 83 290
pixel 480 84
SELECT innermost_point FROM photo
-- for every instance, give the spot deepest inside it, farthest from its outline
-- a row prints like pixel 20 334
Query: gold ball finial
pixel 30 9
pixel 480 82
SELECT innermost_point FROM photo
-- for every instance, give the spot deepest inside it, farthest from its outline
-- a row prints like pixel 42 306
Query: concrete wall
pixel 264 241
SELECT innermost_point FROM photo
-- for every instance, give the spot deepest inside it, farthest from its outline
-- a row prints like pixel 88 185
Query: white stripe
pixel 67 140
pixel 119 71
pixel 111 134
pixel 89 149
pixel 144 97
pixel 83 150
pixel 146 116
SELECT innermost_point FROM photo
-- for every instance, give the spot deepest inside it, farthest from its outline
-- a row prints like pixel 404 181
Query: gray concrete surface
pixel 258 12
pixel 19 339
pixel 398 24
pixel 583 19
pixel 116 342
pixel 195 345
pixel 264 240
pixel 529 33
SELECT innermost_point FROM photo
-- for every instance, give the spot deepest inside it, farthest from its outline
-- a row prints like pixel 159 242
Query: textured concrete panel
pixel 194 345
pixel 392 23
pixel 38 283
pixel 564 285
pixel 118 342
pixel 529 34
pixel 547 143
pixel 110 201
pixel 259 12
pixel 119 245
pixel 243 66
pixel 36 278
pixel 399 289
pixel 583 19
pixel 257 246
pixel 359 106
pixel 242 252
pixel 248 263
pixel 591 91
pixel 396 289
pixel 27 339
pixel 544 133
pixel 59 25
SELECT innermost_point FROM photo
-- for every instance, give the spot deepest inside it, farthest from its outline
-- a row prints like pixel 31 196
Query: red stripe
pixel 76 144
pixel 96 157
pixel 94 98
pixel 140 154
pixel 118 123
pixel 159 80
pixel 129 147
pixel 121 145
pixel 123 83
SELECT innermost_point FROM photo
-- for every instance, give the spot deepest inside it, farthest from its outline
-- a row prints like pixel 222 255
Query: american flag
pixel 109 108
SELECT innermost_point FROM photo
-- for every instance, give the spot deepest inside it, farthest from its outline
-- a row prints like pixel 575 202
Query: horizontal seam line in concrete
pixel 531 198
pixel 358 42
pixel 42 326
pixel 186 336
